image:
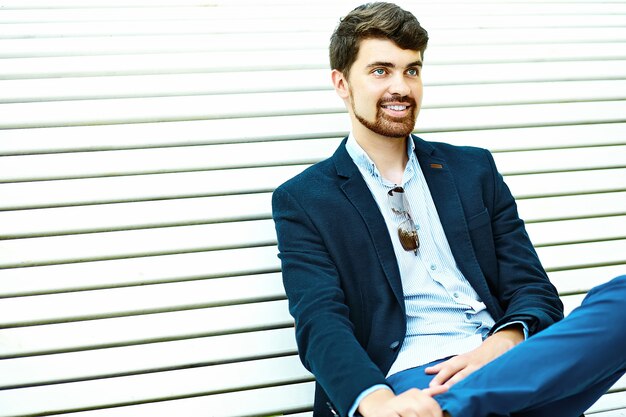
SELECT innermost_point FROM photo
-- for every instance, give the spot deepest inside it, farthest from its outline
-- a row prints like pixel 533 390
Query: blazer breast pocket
pixel 482 237
pixel 479 220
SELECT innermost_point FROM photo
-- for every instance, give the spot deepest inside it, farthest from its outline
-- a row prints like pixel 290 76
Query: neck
pixel 389 154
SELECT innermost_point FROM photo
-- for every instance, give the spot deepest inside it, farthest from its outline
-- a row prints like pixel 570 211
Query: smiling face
pixel 384 90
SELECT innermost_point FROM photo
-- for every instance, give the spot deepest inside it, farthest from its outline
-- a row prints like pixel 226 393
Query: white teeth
pixel 397 108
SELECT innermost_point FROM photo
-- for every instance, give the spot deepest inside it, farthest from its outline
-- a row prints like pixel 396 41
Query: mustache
pixel 398 99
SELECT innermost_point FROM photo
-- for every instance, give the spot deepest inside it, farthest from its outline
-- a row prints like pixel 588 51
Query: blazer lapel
pixel 450 210
pixel 354 187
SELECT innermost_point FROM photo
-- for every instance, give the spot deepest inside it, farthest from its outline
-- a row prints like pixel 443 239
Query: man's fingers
pixel 447 371
pixel 434 369
pixel 412 403
pixel 459 376
pixel 422 404
pixel 440 389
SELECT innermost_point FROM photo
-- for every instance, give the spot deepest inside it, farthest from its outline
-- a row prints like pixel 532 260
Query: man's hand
pixel 412 403
pixel 457 368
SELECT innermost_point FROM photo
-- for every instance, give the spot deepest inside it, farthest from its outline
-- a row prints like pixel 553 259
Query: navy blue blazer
pixel 342 278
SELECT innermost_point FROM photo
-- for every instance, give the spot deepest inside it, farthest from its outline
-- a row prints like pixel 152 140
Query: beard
pixel 385 125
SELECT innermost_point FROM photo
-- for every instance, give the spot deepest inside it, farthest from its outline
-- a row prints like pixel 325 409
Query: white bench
pixel 140 144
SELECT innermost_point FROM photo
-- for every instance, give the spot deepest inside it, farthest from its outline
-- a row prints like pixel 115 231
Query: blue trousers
pixel 559 372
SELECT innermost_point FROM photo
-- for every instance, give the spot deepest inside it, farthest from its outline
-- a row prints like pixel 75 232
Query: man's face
pixel 384 89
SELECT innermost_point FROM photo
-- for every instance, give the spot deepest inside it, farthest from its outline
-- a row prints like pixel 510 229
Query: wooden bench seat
pixel 140 145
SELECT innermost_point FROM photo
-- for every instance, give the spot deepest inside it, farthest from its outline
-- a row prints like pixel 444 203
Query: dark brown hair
pixel 374 20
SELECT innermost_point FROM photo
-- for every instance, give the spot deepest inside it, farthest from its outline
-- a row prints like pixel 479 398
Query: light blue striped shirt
pixel 445 315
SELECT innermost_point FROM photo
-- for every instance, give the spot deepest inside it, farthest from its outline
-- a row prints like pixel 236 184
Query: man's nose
pixel 399 86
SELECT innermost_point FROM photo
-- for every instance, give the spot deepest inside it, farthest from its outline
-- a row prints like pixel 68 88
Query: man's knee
pixel 616 286
pixel 612 293
pixel 621 280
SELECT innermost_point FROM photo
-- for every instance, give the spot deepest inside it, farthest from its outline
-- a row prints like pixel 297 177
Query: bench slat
pixel 109 245
pixel 534 138
pixel 155 386
pixel 583 279
pixel 169 268
pixel 611 413
pixel 578 230
pixel 583 255
pixel 120 331
pixel 149 135
pixel 207 183
pixel 266 401
pixel 569 207
pixel 44 89
pixel 11 46
pixel 523 115
pixel 143 187
pixel 119 216
pixel 179 159
pixel 138 271
pixel 566 183
pixel 571 302
pixel 174 11
pixel 209 237
pixel 85 305
pixel 214 157
pixel 133 243
pixel 555 160
pixel 184 159
pixel 222 61
pixel 141 35
pixel 150 357
pixel 323 16
pixel 613 401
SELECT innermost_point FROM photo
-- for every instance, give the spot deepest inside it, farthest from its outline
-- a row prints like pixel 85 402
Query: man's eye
pixel 379 71
pixel 414 72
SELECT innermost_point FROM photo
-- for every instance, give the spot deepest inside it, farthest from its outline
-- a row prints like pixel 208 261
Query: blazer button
pixel 394 345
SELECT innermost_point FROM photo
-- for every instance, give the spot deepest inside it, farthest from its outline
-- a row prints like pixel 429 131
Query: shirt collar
pixel 365 163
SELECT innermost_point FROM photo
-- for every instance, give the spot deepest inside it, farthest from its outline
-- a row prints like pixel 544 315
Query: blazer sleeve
pixel 324 333
pixel 523 288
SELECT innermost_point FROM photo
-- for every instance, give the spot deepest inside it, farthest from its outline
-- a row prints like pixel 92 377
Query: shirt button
pixel 456 295
pixel 394 345
pixel 417 227
pixel 433 267
pixel 468 316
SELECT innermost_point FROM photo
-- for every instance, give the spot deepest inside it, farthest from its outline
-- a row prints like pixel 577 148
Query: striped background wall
pixel 140 142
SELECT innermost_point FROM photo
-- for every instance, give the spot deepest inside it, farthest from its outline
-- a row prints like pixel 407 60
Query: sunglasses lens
pixel 408 235
pixel 396 200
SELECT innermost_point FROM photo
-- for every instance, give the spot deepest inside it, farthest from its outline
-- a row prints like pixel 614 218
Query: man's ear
pixel 340 83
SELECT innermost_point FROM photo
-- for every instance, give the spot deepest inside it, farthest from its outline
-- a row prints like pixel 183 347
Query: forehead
pixel 383 50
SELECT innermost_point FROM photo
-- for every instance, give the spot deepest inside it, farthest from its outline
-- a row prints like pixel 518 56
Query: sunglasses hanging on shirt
pixel 407 232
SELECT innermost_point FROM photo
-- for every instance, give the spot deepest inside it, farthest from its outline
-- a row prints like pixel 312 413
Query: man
pixel 408 271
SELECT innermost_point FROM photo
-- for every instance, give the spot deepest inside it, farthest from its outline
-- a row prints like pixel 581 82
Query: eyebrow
pixel 391 65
